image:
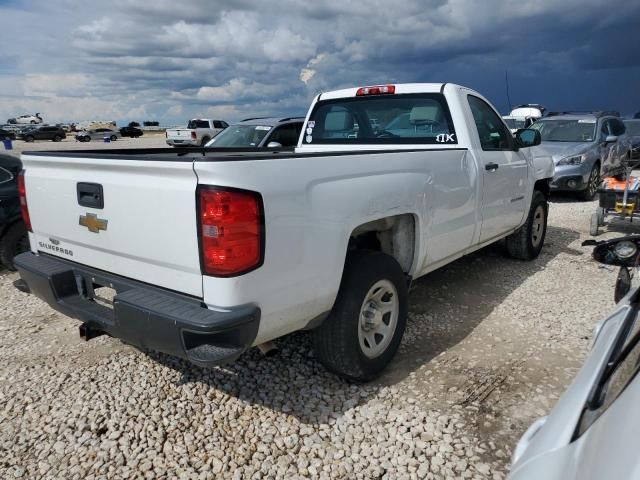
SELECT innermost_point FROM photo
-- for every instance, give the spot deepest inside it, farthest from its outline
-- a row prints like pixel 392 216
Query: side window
pixel 622 369
pixel 224 124
pixel 618 127
pixel 605 130
pixel 285 135
pixel 217 124
pixel 492 132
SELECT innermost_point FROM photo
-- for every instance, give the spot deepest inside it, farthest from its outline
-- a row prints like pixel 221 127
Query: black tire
pixel 526 242
pixel 86 139
pixel 205 140
pixel 29 138
pixel 57 138
pixel 33 122
pixel 593 183
pixel 336 342
pixel 14 241
pixel 114 138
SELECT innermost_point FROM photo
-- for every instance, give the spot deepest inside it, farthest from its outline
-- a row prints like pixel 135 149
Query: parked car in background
pixel 271 132
pixel 584 147
pixel 516 123
pixel 133 132
pixel 198 132
pixel 98 134
pixel 592 430
pixel 13 232
pixel 526 114
pixel 7 134
pixel 30 134
pixel 633 132
pixel 26 119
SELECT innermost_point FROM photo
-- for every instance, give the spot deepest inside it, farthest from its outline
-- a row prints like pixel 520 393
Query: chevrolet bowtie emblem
pixel 92 222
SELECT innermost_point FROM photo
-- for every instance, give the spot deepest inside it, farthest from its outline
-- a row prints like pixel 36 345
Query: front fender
pixel 543 166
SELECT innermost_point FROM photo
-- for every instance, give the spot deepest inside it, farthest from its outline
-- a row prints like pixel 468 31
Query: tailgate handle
pixel 90 195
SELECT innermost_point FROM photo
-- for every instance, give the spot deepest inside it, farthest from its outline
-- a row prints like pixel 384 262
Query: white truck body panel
pixel 313 199
pixel 147 204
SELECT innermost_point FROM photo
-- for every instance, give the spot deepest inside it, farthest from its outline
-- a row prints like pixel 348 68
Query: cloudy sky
pixel 169 61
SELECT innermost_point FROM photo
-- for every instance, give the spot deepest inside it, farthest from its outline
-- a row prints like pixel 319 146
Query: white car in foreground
pixel 591 432
pixel 213 251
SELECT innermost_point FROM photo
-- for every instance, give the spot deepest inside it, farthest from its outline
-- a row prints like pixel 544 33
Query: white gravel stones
pixel 491 343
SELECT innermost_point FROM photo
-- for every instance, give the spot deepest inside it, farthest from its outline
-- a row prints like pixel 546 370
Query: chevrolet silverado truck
pixel 204 254
pixel 197 134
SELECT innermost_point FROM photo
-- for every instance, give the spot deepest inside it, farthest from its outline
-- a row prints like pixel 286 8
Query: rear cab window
pixel 416 118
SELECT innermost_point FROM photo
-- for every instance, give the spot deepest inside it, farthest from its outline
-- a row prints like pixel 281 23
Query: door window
pixel 286 135
pixel 493 133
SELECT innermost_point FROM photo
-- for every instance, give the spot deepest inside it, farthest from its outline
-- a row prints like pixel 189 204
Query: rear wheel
pixel 205 140
pixel 592 183
pixel 363 333
pixel 29 138
pixel 57 138
pixel 526 242
pixel 13 242
pixel 114 138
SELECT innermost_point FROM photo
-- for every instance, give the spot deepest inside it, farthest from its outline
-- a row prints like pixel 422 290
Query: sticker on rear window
pixel 261 127
pixel 309 139
pixel 311 123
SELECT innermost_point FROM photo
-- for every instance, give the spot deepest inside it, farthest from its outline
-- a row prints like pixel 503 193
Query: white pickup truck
pixel 197 134
pixel 209 253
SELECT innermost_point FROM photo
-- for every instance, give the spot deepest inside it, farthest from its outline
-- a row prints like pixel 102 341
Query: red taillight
pixel 231 231
pixel 22 194
pixel 193 136
pixel 376 90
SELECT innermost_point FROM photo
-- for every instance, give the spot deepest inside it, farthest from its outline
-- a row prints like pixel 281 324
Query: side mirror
pixel 611 139
pixel 528 137
pixel 274 145
pixel 5 176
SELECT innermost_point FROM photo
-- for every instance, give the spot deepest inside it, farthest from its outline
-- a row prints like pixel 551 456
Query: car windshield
pixel 633 127
pixel 404 118
pixel 582 130
pixel 514 123
pixel 240 136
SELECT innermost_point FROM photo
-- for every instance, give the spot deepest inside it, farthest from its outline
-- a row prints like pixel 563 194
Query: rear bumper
pixel 183 142
pixel 142 315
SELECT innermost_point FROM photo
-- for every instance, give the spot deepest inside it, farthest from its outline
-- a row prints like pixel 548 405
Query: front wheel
pixel 592 184
pixel 363 332
pixel 526 242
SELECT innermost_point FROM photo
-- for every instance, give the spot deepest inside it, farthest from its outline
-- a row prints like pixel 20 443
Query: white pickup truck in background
pixel 197 134
pixel 210 253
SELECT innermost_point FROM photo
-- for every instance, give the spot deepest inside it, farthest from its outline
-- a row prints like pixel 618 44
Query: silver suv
pixel 260 132
pixel 584 147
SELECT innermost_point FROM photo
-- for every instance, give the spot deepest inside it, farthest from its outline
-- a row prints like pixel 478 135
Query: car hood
pixel 559 150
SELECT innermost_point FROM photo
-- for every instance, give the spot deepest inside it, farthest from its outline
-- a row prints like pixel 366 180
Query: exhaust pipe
pixel 268 349
pixel 87 333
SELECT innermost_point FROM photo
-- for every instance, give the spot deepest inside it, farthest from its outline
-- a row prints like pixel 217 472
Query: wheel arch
pixel 393 235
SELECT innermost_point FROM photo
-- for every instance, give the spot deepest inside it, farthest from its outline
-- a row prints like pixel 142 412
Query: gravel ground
pixel 491 344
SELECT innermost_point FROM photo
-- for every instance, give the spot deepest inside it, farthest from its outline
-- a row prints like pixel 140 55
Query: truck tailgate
pixel 179 133
pixel 146 229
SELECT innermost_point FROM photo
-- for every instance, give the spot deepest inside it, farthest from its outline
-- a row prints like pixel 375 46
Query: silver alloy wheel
pixel 378 318
pixel 537 228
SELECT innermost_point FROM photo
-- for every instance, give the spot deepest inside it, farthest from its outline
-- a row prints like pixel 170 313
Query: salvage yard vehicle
pixel 197 134
pixel 133 132
pixel 211 252
pixel 55 134
pixel 591 431
pixel 98 134
pixel 584 147
pixel 13 232
pixel 269 132
pixel 26 119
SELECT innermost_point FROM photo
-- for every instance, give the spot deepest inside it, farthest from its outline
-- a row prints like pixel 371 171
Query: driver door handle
pixel 491 167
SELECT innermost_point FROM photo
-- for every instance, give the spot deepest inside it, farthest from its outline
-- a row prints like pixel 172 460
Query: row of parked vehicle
pixel 56 133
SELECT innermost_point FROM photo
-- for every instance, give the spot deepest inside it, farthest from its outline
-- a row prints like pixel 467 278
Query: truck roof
pixel 399 89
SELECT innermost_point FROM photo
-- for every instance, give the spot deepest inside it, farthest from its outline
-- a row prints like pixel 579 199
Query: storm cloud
pixel 169 61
